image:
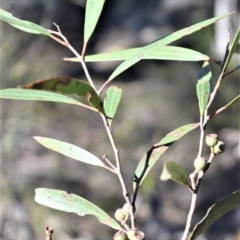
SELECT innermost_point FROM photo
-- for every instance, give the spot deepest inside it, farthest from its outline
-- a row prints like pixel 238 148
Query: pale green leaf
pixel 204 86
pixel 165 53
pixel 111 102
pixel 72 203
pixel 155 46
pixel 25 26
pixel 92 14
pixel 69 150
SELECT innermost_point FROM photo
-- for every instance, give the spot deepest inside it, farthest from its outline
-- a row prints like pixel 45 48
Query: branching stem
pixel 118 170
pixel 112 168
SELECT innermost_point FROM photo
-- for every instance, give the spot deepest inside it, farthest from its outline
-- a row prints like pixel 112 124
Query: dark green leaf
pixel 234 47
pixel 173 171
pixel 25 26
pixel 150 158
pixel 72 203
pixel 69 150
pixel 35 95
pixel 155 46
pixel 68 85
pixel 111 102
pixel 165 53
pixel 216 211
pixel 92 14
pixel 204 86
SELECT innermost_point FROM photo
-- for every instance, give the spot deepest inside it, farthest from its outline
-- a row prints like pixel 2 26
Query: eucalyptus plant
pixel 61 88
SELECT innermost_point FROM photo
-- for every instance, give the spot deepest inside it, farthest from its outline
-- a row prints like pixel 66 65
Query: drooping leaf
pixel 204 86
pixel 155 46
pixel 92 14
pixel 232 50
pixel 173 171
pixel 35 95
pixel 25 26
pixel 68 85
pixel 69 150
pixel 150 158
pixel 165 53
pixel 72 203
pixel 216 211
pixel 111 102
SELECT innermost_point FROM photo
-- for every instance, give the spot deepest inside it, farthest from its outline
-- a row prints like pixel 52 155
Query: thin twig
pixel 105 157
pixel 68 45
pixel 118 170
pixel 84 49
pixel 49 232
pixel 190 214
pixel 202 119
pixel 103 86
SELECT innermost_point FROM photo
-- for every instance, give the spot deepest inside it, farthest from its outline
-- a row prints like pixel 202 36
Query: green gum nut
pixel 120 215
pixel 211 139
pixel 199 163
pixel 135 234
pixel 120 236
pixel 219 147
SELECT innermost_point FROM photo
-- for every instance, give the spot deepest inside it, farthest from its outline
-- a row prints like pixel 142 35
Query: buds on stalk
pixel 199 163
pixel 211 139
pixel 219 147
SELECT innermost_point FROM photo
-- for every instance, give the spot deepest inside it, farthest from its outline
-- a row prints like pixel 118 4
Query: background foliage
pixel 158 96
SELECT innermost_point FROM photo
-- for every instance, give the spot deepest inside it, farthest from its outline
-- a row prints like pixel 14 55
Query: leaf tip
pixel 38 139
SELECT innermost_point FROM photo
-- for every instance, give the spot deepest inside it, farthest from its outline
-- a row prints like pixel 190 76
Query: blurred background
pixel 158 97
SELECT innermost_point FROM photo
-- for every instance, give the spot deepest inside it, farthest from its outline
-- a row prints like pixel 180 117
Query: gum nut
pixel 134 234
pixel 211 139
pixel 199 163
pixel 219 147
pixel 119 214
pixel 120 236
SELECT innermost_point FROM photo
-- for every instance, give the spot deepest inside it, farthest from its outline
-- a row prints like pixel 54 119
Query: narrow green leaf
pixel 173 171
pixel 68 85
pixel 150 158
pixel 92 14
pixel 72 203
pixel 235 69
pixel 237 48
pixel 111 102
pixel 224 107
pixel 155 46
pixel 165 53
pixel 25 26
pixel 69 150
pixel 175 135
pixel 204 86
pixel 216 211
pixel 233 101
pixel 234 47
pixel 35 95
